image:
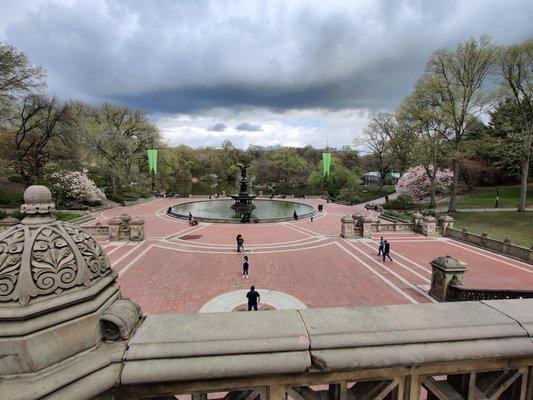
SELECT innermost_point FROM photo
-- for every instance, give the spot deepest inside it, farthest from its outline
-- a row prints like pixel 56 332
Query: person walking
pixel 294 215
pixel 253 298
pixel 240 243
pixel 190 217
pixel 245 266
pixel 381 246
pixel 386 250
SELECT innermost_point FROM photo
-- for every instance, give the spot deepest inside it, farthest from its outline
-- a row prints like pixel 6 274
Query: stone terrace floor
pixel 292 264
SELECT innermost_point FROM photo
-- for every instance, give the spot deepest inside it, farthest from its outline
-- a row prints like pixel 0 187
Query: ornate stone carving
pixel 41 256
pixel 11 247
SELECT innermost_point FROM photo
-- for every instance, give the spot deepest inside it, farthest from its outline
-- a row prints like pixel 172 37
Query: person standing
pixel 245 266
pixel 386 250
pixel 190 217
pixel 240 243
pixel 381 246
pixel 253 298
pixel 294 215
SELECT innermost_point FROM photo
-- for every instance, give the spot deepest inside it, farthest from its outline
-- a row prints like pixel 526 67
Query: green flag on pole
pixel 326 161
pixel 152 160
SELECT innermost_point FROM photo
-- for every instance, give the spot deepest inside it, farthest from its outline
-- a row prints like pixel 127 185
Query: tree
pixel 18 77
pixel 416 183
pixel 336 180
pixel 454 81
pixel 39 121
pixel 291 169
pixel 429 148
pixel 515 69
pixel 119 137
pixel 376 139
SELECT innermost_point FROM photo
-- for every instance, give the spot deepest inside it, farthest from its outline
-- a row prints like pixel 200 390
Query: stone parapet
pixel 499 246
pixel 173 354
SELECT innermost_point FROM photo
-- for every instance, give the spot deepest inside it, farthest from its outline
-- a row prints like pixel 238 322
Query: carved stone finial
pixel 37 203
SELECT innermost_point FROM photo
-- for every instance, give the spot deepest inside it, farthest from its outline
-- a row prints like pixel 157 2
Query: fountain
pixel 243 200
pixel 232 210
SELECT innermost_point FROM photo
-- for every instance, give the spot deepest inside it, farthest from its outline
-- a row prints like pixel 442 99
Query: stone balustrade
pixel 499 246
pixel 390 350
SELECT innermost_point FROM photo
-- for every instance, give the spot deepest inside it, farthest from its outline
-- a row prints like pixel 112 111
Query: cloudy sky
pixel 265 72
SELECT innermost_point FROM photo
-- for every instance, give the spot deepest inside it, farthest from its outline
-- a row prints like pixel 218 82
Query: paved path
pixel 182 269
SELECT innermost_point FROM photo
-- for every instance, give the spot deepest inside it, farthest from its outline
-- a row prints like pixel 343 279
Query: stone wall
pixel 503 247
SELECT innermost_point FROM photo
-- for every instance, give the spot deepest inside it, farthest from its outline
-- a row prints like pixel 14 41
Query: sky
pixel 265 73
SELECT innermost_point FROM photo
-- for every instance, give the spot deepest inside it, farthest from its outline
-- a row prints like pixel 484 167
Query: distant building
pixel 373 177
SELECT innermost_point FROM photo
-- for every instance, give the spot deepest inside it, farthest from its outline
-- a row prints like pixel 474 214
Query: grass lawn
pixel 486 197
pixel 499 225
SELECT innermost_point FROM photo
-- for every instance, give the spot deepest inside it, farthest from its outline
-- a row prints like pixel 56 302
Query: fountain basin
pixel 220 210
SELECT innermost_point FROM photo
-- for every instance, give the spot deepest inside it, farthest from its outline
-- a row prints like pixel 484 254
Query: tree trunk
pixel 523 185
pixel 455 185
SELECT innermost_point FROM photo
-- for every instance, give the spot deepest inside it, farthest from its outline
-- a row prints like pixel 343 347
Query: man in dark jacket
pixel 253 299
pixel 386 250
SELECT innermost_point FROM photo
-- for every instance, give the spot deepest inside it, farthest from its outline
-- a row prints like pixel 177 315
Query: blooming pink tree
pixel 417 182
pixel 74 186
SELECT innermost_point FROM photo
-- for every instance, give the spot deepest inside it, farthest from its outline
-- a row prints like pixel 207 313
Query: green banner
pixel 326 161
pixel 152 161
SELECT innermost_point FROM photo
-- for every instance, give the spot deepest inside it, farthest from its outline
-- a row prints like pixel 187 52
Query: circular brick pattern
pixel 232 301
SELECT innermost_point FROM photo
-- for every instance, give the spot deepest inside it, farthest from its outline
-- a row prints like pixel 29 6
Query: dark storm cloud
pixel 220 127
pixel 245 126
pixel 194 56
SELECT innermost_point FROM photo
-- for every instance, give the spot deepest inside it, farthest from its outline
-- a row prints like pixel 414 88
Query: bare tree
pixel 455 80
pixel 376 139
pixel 515 69
pixel 18 77
pixel 39 121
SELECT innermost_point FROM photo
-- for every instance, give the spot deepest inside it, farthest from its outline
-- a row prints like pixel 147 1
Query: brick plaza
pixel 180 269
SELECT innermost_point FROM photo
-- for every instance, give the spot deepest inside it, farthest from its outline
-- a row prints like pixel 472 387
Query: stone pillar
pixel 223 193
pixel 429 226
pixel 417 222
pixel 260 193
pixel 114 228
pixel 367 226
pixel 445 222
pixel 444 270
pixel 136 226
pixel 347 227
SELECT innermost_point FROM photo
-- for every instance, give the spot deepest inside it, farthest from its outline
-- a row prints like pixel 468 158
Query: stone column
pixel 444 270
pixel 347 227
pixel 136 226
pixel 429 226
pixel 367 226
pixel 417 222
pixel 445 222
pixel 114 228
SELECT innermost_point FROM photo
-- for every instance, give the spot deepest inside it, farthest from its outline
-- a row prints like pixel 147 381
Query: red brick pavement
pixel 179 268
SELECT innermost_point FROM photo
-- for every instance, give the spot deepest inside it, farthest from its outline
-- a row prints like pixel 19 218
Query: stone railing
pixel 498 246
pixel 97 229
pixel 461 293
pixel 450 350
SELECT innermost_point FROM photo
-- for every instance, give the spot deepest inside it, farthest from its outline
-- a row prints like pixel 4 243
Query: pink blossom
pixel 416 182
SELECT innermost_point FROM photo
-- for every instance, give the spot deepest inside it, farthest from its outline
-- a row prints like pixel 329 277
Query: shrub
pixel 402 202
pixel 416 183
pixel 16 178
